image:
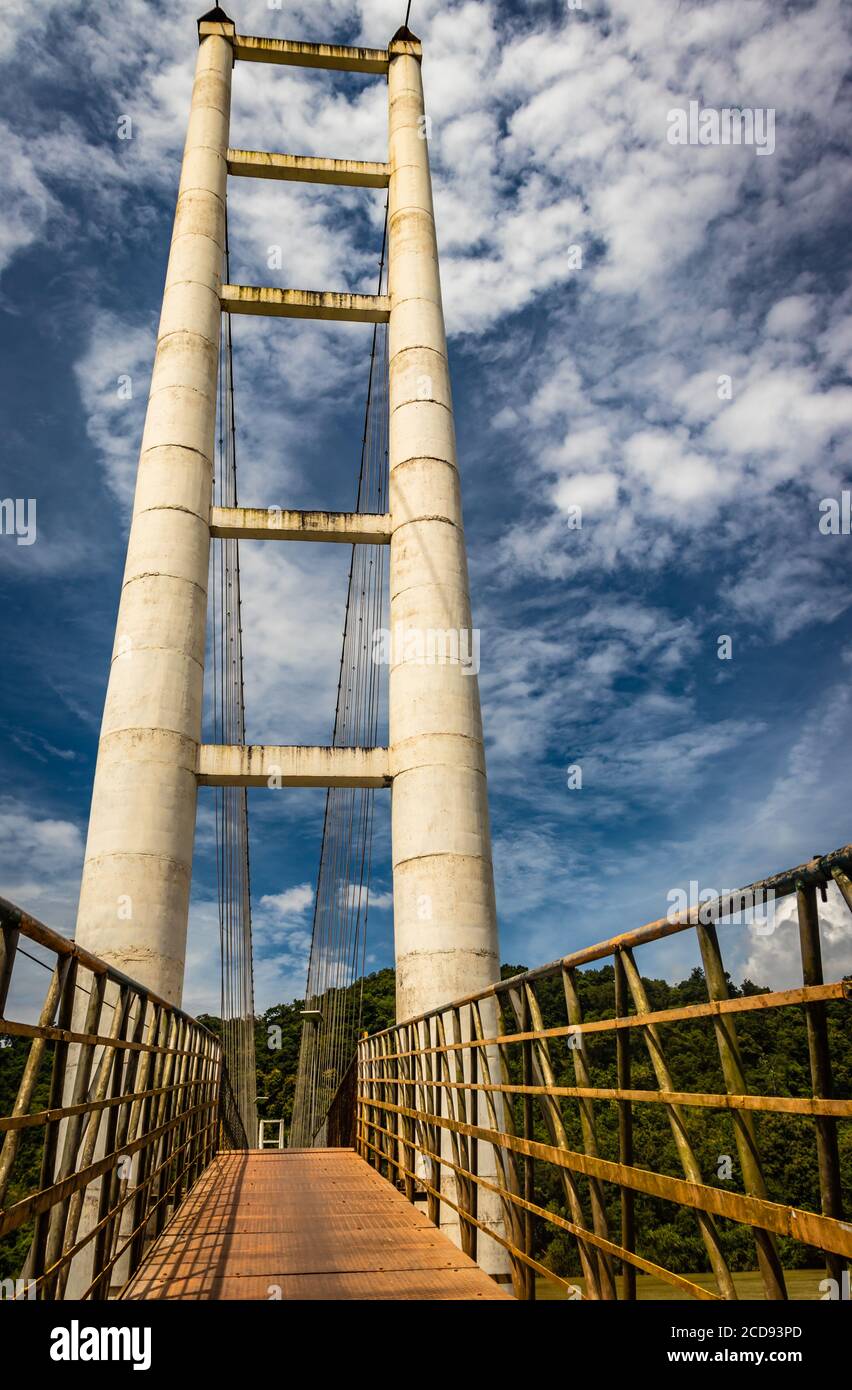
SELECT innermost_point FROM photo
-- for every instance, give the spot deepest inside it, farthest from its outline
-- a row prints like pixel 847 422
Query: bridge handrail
pixel 446 1106
pixel 813 873
pixel 132 1112
pixel 15 919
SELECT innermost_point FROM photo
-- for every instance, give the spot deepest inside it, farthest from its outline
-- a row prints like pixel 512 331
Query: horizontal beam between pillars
pixel 276 765
pixel 305 304
pixel 336 56
pixel 350 173
pixel 275 524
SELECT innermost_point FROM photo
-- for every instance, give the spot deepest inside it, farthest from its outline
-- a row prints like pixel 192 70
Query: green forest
pixel 773 1046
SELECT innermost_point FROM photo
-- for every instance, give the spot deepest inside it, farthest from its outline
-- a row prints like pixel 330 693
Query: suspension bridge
pixel 423 1161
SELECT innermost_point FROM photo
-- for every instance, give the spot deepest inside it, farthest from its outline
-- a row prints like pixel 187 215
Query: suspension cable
pixel 341 907
pixel 229 727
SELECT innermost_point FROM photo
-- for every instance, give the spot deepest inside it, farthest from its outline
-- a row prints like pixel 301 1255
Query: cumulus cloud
pixel 790 315
pixel 41 857
pixel 774 958
pixel 592 492
pixel 293 901
pixel 113 375
pixel 29 205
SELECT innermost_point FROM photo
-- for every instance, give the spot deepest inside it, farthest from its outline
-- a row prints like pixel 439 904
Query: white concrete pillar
pixel 445 921
pixel 134 897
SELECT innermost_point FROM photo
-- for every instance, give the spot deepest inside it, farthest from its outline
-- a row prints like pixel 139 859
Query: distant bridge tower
pixel 134 899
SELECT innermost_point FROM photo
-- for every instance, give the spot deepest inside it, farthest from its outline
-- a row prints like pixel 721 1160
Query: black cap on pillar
pixel 404 41
pixel 215 16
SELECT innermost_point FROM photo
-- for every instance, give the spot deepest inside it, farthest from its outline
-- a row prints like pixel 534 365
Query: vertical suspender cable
pixel 338 938
pixel 231 803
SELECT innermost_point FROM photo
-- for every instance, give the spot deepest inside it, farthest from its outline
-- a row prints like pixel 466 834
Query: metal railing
pixel 121 1101
pixel 339 1123
pixel 480 1096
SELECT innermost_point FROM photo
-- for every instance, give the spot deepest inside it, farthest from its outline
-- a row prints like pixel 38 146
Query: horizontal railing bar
pixel 276 524
pixel 588 1237
pixel 839 989
pixel 396 1081
pixel 42 1201
pixel 180 1146
pixel 334 56
pixel 298 168
pixel 52 1034
pixel 329 305
pixel 807 1227
pixel 781 885
pixel 470 1219
pixel 15 918
pixel 68 1255
pixel 90 1107
pixel 783 1105
pixel 109 1264
pixel 581 1232
pixel 815 871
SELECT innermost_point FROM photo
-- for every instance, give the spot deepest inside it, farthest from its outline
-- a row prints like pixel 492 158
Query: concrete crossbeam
pixel 275 765
pixel 305 304
pixel 274 523
pixel 349 173
pixel 338 57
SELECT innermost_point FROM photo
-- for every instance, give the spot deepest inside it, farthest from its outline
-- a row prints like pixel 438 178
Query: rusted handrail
pixel 137 1106
pixel 446 1105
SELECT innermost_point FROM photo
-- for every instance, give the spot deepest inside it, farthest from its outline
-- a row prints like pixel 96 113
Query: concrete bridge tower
pixel 445 921
pixel 134 897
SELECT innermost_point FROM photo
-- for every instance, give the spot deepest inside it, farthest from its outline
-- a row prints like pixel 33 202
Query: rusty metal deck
pixel 303 1224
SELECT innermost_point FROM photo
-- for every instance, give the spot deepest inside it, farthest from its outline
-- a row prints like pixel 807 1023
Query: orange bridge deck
pixel 303 1224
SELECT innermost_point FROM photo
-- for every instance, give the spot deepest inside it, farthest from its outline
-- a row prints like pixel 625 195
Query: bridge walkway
pixel 303 1224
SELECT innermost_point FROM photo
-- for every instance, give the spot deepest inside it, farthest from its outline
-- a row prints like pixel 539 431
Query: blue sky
pixel 595 386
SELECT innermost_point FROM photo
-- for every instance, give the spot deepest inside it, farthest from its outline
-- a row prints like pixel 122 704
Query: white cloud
pixel 293 901
pixel 786 593
pixel 775 959
pixel 677 476
pixel 790 315
pixel 28 204
pixel 41 857
pixel 117 361
pixel 783 413
pixel 593 492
